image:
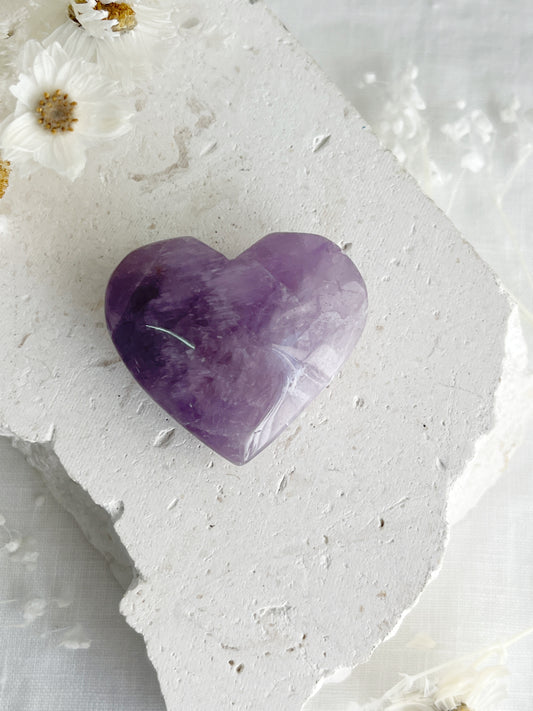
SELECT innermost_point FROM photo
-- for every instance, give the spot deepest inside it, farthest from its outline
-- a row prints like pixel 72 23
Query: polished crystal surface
pixel 234 349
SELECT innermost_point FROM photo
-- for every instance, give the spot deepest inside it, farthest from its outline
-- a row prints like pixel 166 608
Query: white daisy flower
pixel 476 682
pixel 64 105
pixel 125 38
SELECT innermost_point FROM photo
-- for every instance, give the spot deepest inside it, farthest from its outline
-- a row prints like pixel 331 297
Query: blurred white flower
pixel 477 682
pixel 462 685
pixel 10 47
pixel 126 39
pixel 64 105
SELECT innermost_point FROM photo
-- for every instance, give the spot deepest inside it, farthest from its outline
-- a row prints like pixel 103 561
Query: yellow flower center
pixel 123 13
pixel 4 176
pixel 120 11
pixel 56 112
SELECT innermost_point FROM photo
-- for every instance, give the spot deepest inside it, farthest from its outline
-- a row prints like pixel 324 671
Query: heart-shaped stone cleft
pixel 234 349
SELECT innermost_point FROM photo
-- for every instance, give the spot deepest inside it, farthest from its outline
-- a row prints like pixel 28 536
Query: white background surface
pixel 481 57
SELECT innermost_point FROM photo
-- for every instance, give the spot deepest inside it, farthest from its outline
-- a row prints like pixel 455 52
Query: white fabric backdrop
pixel 464 126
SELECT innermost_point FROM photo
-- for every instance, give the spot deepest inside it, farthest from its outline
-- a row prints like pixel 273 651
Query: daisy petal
pixel 27 91
pixel 94 22
pixel 58 54
pixel 74 41
pixel 23 134
pixel 97 122
pixel 44 69
pixel 156 22
pixel 81 80
pixel 31 50
pixel 64 153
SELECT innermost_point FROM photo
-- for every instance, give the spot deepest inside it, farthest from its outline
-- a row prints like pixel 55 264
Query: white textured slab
pixel 252 581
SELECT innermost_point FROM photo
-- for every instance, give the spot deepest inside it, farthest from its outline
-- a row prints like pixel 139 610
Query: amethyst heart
pixel 234 349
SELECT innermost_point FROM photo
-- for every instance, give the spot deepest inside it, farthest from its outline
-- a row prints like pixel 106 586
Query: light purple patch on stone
pixel 234 349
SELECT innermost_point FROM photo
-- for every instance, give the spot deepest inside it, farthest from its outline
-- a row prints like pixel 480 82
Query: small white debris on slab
pixel 163 437
pixel 320 141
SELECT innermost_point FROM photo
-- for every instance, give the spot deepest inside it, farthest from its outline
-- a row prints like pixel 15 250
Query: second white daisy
pixel 126 39
pixel 64 105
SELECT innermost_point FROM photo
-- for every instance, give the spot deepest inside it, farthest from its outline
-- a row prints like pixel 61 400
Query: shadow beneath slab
pixel 65 644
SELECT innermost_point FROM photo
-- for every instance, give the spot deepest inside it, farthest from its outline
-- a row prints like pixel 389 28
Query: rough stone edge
pixel 513 408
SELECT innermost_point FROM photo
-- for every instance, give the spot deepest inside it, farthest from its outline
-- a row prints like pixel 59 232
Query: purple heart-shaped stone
pixel 234 349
